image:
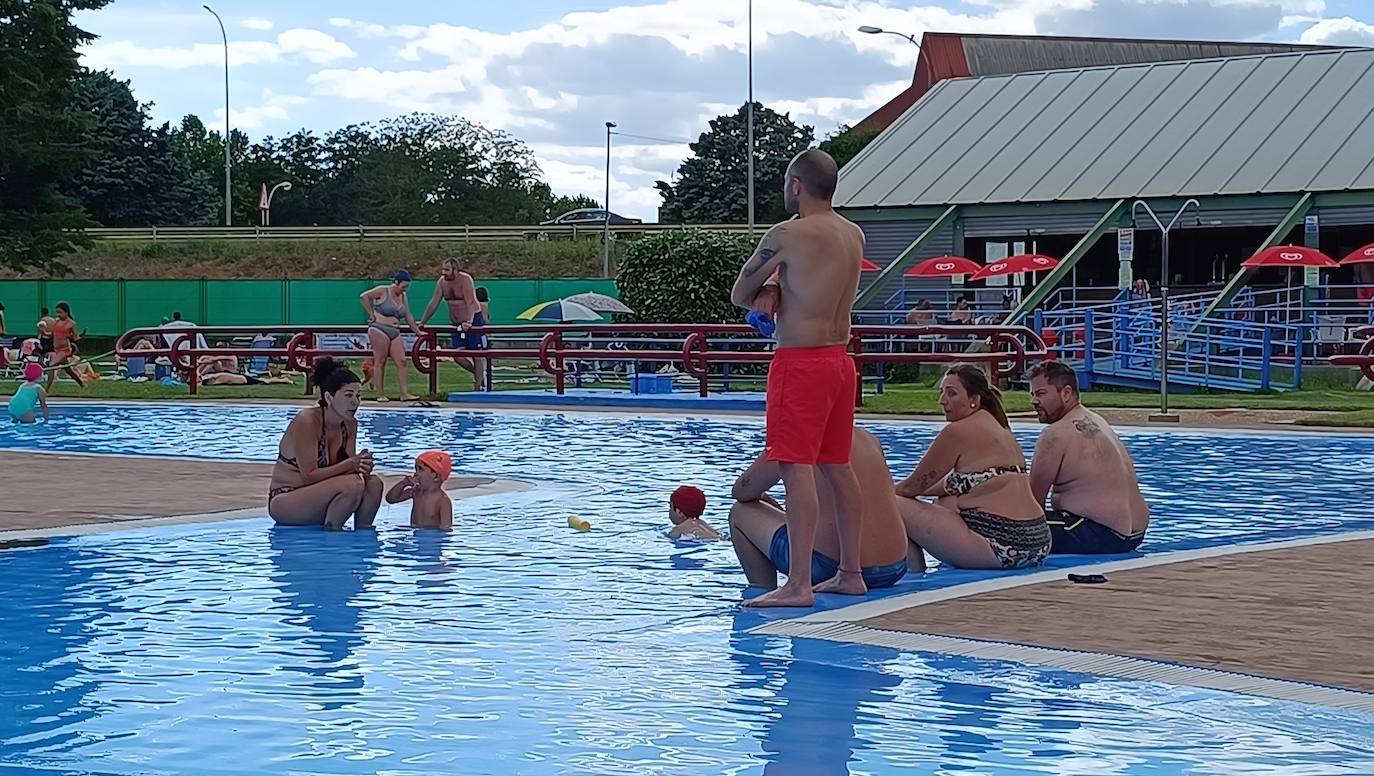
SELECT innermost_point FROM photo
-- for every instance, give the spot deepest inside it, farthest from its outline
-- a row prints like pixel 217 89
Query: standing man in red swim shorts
pixel 807 271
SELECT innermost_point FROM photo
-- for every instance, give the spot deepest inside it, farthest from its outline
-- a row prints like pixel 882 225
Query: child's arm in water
pixel 43 402
pixel 445 511
pixel 401 491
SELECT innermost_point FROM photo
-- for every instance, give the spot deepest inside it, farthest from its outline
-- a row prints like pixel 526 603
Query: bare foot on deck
pixel 787 595
pixel 843 583
pixel 409 397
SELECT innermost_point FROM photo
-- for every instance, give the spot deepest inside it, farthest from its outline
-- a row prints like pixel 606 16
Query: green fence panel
pixel 94 303
pixel 245 302
pixel 21 299
pixel 325 302
pixel 147 302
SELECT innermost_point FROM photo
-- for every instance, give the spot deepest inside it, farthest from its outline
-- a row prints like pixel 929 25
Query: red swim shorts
pixel 810 407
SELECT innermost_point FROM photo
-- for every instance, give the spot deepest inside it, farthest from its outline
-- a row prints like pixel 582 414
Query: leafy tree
pixel 202 151
pixel 683 276
pixel 712 183
pixel 40 130
pixel 845 143
pixel 136 177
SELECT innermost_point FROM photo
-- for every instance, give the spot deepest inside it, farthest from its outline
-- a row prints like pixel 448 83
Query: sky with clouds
pixel 551 72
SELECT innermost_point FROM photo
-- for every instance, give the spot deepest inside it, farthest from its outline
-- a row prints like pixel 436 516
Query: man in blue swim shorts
pixel 758 523
pixel 457 289
pixel 1096 505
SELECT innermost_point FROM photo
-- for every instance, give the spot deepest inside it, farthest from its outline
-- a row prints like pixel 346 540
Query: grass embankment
pixel 229 259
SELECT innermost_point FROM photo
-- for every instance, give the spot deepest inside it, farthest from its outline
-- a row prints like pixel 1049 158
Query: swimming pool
pixel 516 646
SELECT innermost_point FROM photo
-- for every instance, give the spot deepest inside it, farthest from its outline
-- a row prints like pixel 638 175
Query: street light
pixel 228 199
pixel 749 188
pixel 606 222
pixel 267 214
pixel 1164 303
pixel 920 52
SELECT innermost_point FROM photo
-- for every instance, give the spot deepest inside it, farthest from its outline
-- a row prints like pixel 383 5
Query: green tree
pixel 683 276
pixel 712 183
pixel 845 143
pixel 40 130
pixel 135 177
pixel 201 150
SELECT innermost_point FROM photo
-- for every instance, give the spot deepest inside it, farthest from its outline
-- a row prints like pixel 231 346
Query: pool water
pixel 517 646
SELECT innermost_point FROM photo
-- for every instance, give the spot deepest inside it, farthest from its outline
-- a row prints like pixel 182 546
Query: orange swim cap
pixel 437 461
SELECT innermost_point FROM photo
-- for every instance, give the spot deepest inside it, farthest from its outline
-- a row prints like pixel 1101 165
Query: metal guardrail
pixel 695 346
pixel 456 233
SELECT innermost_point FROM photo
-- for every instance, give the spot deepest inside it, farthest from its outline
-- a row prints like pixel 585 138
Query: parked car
pixel 588 216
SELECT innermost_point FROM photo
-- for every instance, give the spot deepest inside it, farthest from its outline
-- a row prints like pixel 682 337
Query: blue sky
pixel 552 71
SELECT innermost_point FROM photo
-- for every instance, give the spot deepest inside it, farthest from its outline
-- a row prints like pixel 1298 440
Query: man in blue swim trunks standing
pixel 457 288
pixel 1096 507
pixel 758 524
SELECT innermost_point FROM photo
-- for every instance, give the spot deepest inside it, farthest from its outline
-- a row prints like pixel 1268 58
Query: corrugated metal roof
pixel 1005 54
pixel 1276 123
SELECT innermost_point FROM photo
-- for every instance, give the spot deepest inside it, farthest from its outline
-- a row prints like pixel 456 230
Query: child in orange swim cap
pixel 430 505
pixel 685 508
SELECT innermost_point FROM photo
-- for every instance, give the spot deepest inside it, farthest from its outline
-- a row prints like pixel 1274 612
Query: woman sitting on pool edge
pixel 984 516
pixel 320 478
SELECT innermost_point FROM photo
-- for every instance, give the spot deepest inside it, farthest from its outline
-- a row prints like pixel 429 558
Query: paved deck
pixel 1298 614
pixel 46 491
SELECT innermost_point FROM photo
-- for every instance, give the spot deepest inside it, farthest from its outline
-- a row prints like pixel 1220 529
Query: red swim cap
pixel 688 500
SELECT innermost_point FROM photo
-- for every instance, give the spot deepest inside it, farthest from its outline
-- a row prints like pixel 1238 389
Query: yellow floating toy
pixel 578 523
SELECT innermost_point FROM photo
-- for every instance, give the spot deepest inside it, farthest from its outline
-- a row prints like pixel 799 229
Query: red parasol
pixel 943 266
pixel 1363 255
pixel 1012 265
pixel 868 266
pixel 1289 256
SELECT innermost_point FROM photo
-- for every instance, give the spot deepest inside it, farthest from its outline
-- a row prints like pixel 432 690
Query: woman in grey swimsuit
pixel 388 309
pixel 320 477
pixel 984 515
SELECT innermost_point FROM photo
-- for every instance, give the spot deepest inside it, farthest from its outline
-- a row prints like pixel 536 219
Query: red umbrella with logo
pixel 1363 255
pixel 943 266
pixel 1289 256
pixel 868 266
pixel 1012 265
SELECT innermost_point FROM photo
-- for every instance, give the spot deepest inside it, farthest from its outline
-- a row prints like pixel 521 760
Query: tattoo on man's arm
pixel 1086 427
pixel 759 260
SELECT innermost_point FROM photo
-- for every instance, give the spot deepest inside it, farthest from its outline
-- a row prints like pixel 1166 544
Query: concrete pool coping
pixel 973 621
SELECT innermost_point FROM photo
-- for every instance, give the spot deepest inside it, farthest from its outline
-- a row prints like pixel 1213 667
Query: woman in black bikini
pixel 984 515
pixel 320 478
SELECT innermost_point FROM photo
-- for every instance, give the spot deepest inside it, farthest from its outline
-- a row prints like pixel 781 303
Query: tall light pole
pixel 749 188
pixel 1164 303
pixel 228 197
pixel 606 223
pixel 267 214
pixel 920 52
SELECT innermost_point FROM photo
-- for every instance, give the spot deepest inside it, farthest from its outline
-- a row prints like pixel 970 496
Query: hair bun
pixel 323 366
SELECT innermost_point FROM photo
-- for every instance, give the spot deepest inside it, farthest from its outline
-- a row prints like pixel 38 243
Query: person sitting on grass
pixel 685 508
pixel 430 505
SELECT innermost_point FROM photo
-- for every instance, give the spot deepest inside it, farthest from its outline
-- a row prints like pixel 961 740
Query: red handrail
pixel 1009 348
pixel 1365 358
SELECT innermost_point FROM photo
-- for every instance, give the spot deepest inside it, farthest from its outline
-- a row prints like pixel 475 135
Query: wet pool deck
pixel 56 494
pixel 1299 614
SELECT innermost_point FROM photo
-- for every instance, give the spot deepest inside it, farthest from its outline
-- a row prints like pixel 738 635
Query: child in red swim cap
pixel 685 508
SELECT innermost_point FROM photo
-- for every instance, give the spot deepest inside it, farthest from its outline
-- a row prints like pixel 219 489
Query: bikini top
pixel 390 308
pixel 321 454
pixel 960 483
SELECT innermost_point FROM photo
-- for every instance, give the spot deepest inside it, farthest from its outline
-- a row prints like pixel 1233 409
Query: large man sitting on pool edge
pixel 758 524
pixel 1097 505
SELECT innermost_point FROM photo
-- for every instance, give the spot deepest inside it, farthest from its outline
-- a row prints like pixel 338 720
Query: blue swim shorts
pixel 824 567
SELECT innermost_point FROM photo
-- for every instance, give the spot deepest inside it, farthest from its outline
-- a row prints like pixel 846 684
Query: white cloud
pixel 272 108
pixel 370 30
pixel 1344 31
pixel 256 24
pixel 311 45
